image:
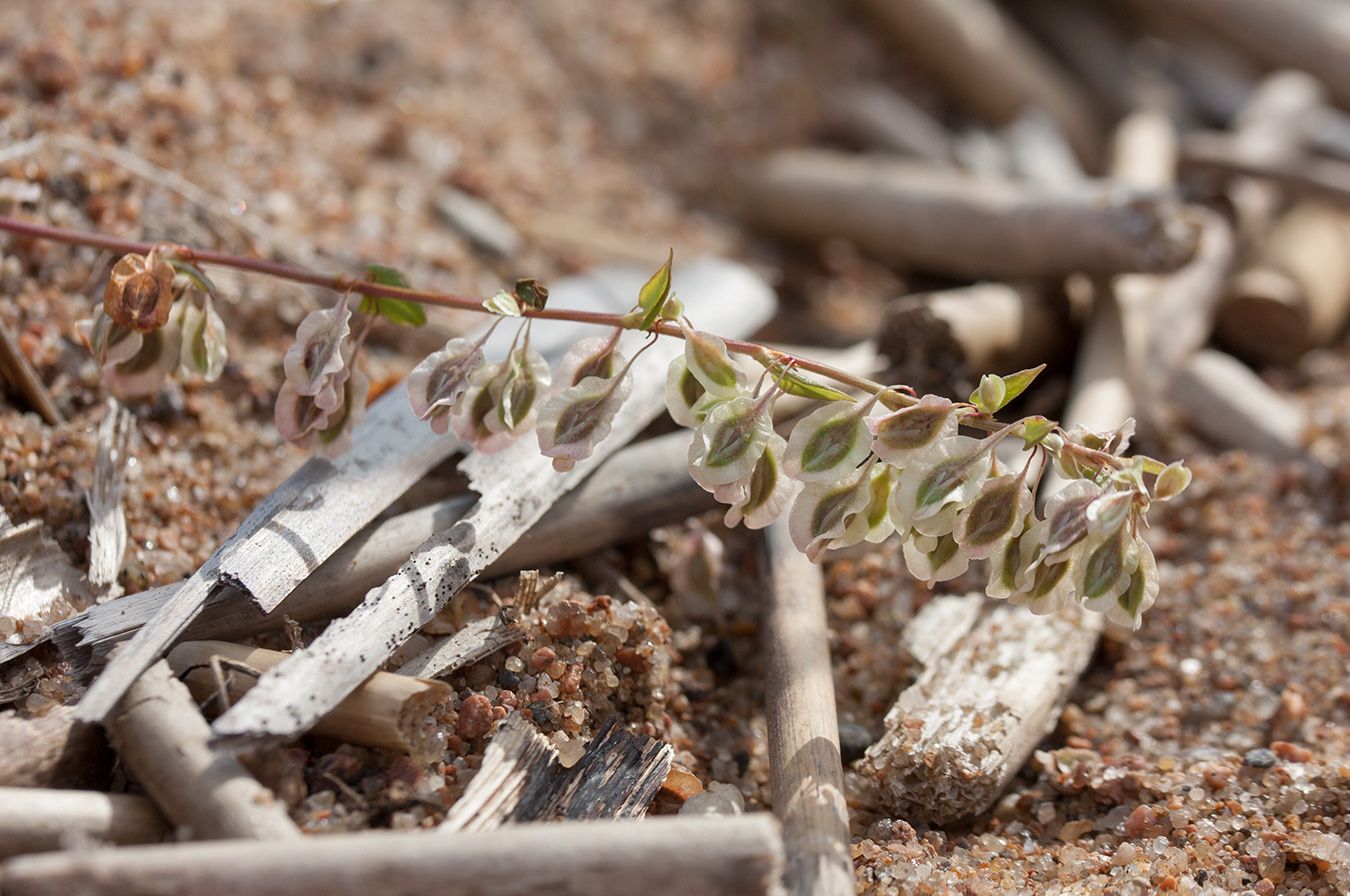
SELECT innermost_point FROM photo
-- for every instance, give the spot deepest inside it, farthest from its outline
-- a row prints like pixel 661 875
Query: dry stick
pixel 34 820
pixel 517 486
pixel 386 711
pixel 739 856
pixel 876 117
pixel 319 508
pixel 1296 293
pixel 475 641
pixel 983 327
pixel 107 520
pixel 1304 34
pixel 641 487
pixel 1327 179
pixel 1230 405
pixel 932 218
pixel 17 370
pixel 1090 45
pixel 52 750
pixel 163 739
pixel 804 765
pixel 958 735
pixel 988 63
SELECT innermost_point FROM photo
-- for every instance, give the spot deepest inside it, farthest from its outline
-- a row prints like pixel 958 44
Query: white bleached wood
pixel 517 486
pixel 39 820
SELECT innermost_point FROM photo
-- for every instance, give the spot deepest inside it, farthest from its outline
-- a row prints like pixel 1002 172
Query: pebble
pixel 475 717
pixel 1259 758
pixel 1290 752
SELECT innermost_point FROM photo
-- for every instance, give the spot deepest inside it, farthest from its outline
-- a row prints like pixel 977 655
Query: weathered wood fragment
pixel 18 372
pixel 805 769
pixel 164 741
pixel 740 856
pixel 928 217
pixel 37 820
pixel 517 486
pixel 107 521
pixel 875 117
pixel 1223 400
pixel 52 750
pixel 387 711
pixel 475 641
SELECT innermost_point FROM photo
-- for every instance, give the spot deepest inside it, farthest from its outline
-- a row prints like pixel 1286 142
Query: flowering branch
pixel 851 470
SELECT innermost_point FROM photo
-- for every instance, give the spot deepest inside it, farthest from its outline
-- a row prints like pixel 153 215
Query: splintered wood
pixel 958 735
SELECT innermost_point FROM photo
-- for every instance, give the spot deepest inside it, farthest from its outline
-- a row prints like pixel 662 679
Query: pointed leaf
pixel 652 296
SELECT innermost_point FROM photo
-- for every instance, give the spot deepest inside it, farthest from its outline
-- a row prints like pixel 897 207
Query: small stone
pixel 854 739
pixel 718 799
pixel 1259 758
pixel 475 717
pixel 542 658
pixel 1290 752
pixel 1143 821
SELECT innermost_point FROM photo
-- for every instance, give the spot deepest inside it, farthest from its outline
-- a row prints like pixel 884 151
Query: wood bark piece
pixel 517 486
pixel 938 220
pixel 641 487
pixel 740 856
pixel 958 735
pixel 805 769
pixel 1302 34
pixel 387 711
pixel 1296 293
pixel 475 641
pixel 1316 178
pixel 988 63
pixel 17 370
pixel 981 328
pixel 53 750
pixel 34 820
pixel 522 779
pixel 1222 399
pixel 878 118
pixel 320 507
pixel 163 739
pixel 107 521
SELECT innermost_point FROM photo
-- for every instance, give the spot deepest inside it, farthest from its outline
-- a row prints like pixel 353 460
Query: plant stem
pixel 342 284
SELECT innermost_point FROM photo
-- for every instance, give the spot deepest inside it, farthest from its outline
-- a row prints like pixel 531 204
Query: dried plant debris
pixel 107 520
pixel 38 585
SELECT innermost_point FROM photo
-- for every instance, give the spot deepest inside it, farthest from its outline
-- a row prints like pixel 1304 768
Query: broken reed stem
pixel 163 739
pixel 342 285
pixel 38 820
pixel 740 856
pixel 805 769
pixel 388 711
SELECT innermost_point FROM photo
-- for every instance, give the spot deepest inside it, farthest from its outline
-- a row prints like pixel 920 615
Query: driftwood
pixel 323 504
pixel 18 372
pixel 522 779
pixel 34 820
pixel 998 664
pixel 163 739
pixel 641 487
pixel 386 711
pixel 1303 34
pixel 932 218
pixel 875 117
pixel 805 769
pixel 981 328
pixel 988 63
pixel 52 750
pixel 517 486
pixel 740 856
pixel 1296 293
pixel 1223 400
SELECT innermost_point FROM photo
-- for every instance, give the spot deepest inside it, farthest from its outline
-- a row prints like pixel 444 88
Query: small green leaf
pixel 1035 429
pixel 1016 383
pixel 531 294
pixel 396 311
pixel 652 296
pixel 794 382
pixel 504 304
pixel 195 274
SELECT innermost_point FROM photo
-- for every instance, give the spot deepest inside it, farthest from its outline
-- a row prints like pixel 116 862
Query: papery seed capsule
pixel 1009 565
pixel 526 378
pixel 436 385
pixel 597 356
pixel 1066 518
pixel 995 516
pixel 937 485
pixel 139 294
pixel 828 443
pixel 873 522
pixel 934 559
pixel 1104 570
pixel 760 498
pixel 578 418
pixel 729 441
pixel 336 435
pixel 902 436
pixel 1141 592
pixel 1171 482
pixel 821 512
pixel 708 360
pixel 146 371
pixel 315 360
pixel 109 342
pixel 203 352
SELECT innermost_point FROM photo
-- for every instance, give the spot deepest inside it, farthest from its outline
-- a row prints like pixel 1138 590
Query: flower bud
pixel 822 511
pixel 578 418
pixel 995 516
pixel 708 360
pixel 313 363
pixel 436 386
pixel 729 441
pixel 935 558
pixel 203 351
pixel 139 294
pixel 1171 482
pixel 828 443
pixel 903 435
pixel 760 498
pixel 990 394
